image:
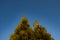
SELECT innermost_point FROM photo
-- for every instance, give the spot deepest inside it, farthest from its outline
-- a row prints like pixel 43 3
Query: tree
pixel 40 32
pixel 24 32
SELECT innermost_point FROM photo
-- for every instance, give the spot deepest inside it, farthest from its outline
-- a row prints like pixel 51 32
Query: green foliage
pixel 24 32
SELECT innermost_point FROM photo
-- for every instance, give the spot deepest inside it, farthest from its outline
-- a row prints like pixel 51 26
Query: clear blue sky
pixel 46 11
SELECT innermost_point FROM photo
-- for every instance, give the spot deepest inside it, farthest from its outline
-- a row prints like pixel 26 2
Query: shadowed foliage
pixel 24 32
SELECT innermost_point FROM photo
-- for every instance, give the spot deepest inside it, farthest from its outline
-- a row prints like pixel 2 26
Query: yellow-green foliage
pixel 24 32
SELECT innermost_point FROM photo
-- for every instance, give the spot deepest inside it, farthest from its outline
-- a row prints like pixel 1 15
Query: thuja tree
pixel 40 32
pixel 24 32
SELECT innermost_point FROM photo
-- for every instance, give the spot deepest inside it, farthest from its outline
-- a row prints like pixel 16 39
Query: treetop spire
pixel 24 32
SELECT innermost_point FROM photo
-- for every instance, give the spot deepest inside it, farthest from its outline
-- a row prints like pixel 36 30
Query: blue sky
pixel 46 11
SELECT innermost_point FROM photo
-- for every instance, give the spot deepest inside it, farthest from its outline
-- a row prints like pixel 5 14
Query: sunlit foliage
pixel 24 32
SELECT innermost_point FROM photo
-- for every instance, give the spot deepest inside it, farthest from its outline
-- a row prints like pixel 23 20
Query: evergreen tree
pixel 41 33
pixel 24 32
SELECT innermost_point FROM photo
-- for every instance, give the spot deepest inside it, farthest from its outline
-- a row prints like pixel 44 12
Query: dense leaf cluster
pixel 24 32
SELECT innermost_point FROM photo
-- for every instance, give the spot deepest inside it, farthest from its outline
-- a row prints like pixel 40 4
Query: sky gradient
pixel 46 11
